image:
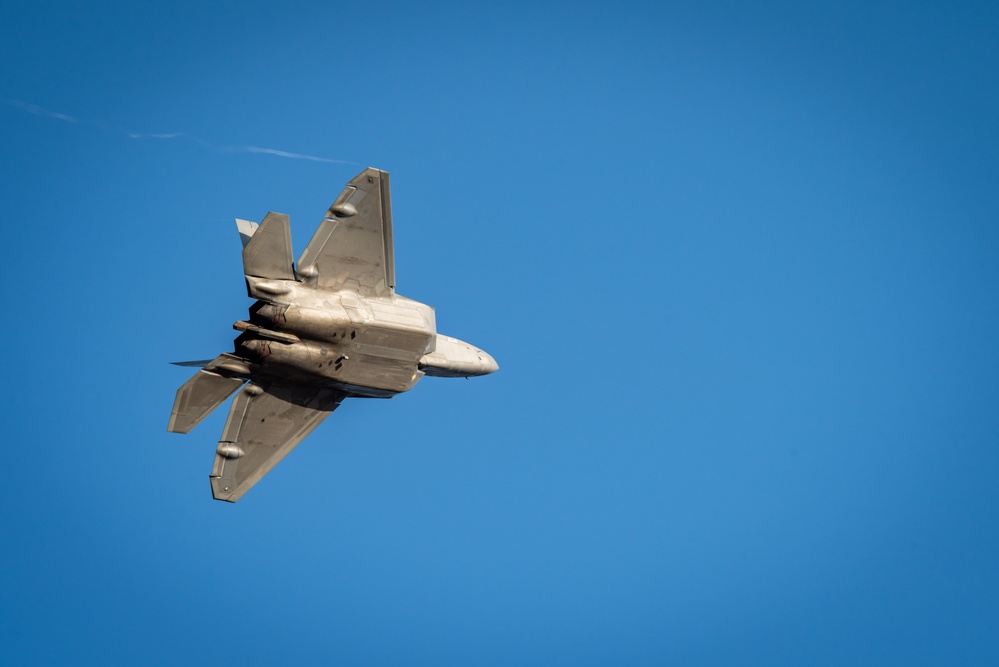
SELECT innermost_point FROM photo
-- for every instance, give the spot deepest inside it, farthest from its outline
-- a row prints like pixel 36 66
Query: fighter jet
pixel 328 328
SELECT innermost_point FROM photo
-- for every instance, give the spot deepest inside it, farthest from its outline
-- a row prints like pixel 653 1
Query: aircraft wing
pixel 352 249
pixel 265 423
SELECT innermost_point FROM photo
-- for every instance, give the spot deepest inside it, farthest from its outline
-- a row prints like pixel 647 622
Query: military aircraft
pixel 325 329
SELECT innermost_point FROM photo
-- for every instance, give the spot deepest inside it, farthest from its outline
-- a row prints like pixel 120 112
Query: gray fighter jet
pixel 329 328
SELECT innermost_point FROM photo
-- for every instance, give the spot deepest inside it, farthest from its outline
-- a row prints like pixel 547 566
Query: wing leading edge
pixel 265 423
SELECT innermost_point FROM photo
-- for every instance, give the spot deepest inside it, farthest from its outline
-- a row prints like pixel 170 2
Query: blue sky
pixel 738 263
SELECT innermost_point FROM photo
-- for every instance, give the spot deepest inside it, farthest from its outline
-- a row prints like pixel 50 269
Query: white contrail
pixel 39 111
pixel 236 149
pixel 294 156
pixel 169 135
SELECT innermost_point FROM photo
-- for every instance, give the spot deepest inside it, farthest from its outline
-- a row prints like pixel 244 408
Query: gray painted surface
pixel 329 329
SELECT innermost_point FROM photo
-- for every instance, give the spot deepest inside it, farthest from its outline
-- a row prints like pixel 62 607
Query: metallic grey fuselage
pixel 366 346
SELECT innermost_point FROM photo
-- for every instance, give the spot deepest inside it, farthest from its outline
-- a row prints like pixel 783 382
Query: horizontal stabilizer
pixel 267 253
pixel 204 392
pixel 201 363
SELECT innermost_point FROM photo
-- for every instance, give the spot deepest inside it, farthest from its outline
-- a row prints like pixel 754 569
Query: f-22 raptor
pixel 325 329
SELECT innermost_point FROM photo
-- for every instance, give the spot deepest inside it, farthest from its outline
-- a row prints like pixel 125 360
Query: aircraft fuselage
pixel 365 346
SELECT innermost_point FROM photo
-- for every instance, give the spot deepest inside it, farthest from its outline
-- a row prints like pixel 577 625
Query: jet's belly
pixel 368 347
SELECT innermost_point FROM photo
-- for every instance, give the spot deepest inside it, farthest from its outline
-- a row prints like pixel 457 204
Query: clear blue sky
pixel 738 262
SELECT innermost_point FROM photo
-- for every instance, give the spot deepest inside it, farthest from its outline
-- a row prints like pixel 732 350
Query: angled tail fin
pixel 246 229
pixel 267 247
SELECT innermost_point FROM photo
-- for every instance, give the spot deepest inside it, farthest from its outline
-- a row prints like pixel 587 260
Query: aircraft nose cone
pixel 489 364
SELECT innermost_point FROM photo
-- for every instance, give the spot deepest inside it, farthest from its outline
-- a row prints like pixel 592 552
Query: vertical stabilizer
pixel 246 229
pixel 267 253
